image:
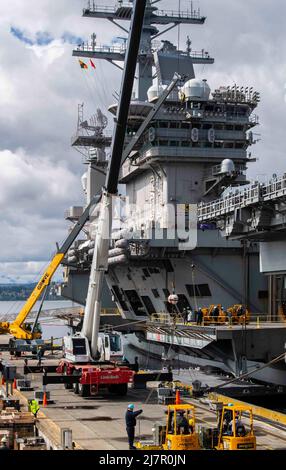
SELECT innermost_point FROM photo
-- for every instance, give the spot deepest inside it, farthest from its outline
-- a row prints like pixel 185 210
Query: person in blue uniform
pixel 130 420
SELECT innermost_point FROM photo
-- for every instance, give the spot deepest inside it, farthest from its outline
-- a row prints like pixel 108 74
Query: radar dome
pixel 155 91
pixel 227 166
pixel 196 89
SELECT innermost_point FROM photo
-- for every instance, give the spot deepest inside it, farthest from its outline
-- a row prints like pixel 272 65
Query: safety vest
pixel 34 407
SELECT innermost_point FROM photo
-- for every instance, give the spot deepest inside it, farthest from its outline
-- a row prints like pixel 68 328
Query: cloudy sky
pixel 41 85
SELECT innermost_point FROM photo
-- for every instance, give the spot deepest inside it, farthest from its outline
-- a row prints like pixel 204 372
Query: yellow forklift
pixel 235 427
pixel 179 433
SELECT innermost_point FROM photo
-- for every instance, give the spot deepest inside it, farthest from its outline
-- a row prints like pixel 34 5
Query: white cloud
pixel 30 271
pixel 48 53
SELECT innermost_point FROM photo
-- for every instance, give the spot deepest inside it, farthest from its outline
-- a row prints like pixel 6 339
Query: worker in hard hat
pixel 4 443
pixel 130 420
pixel 34 407
pixel 182 423
pixel 215 313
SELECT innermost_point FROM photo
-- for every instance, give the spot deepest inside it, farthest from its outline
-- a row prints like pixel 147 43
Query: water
pixel 13 307
pixel 51 327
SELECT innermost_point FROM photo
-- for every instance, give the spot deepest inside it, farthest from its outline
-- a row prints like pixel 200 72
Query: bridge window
pixel 174 125
pixel 218 144
pixel 198 290
pixel 163 124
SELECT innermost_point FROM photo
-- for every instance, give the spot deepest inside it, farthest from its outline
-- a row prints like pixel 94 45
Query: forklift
pixel 233 433
pixel 234 430
pixel 179 433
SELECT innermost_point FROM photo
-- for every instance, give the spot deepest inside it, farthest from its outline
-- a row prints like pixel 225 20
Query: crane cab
pixel 77 349
pixel 180 429
pixel 110 346
pixel 236 429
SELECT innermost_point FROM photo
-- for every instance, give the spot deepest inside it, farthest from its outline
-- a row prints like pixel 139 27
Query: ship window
pixel 198 290
pixel 218 127
pixel 117 293
pixel 229 145
pixel 148 304
pixel 218 144
pixel 207 126
pixel 168 266
pixel 170 308
pixel 163 143
pixel 263 294
pixel 238 128
pixel 166 292
pixel 174 125
pixel 185 125
pixel 228 127
pixel 239 145
pixel 135 302
pixel 183 302
pixel 185 143
pixel 163 124
pixel 154 270
pixel 146 272
pixel 174 143
pixel 156 293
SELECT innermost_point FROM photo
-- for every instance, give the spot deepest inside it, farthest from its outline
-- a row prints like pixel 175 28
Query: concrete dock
pixel 98 423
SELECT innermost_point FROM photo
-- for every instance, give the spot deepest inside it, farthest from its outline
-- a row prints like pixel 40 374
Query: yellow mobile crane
pixel 18 328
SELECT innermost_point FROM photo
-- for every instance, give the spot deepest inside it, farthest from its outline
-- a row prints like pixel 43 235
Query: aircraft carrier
pixel 191 161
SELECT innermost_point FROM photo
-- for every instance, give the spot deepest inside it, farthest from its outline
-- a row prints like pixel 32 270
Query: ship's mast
pixel 154 17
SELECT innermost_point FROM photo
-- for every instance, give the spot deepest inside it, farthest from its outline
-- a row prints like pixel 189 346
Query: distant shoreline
pixel 19 292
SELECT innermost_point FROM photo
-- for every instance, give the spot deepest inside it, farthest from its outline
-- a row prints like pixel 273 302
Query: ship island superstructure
pixel 195 148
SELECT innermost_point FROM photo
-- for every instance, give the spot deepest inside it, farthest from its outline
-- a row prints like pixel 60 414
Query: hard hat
pixel 131 406
pixel 4 439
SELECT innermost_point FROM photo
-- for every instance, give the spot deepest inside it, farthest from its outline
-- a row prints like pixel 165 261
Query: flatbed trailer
pixel 95 376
